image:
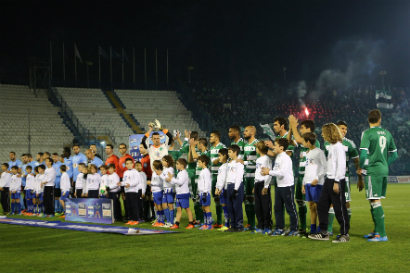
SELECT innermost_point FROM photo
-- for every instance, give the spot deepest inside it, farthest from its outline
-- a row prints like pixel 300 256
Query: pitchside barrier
pixel 390 179
pixel 398 179
pixel 90 210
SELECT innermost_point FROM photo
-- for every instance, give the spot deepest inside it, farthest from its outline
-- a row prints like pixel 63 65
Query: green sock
pixel 218 208
pixel 378 215
pixel 330 220
pixel 349 213
pixel 302 216
pixel 251 215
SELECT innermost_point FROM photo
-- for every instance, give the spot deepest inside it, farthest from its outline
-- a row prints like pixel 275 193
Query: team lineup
pixel 159 186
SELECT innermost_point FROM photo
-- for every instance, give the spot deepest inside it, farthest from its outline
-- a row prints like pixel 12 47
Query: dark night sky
pixel 231 40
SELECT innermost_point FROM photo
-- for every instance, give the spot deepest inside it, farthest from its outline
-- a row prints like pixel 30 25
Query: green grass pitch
pixel 35 249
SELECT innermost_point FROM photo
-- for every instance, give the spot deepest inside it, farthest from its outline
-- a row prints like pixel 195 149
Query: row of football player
pixel 280 129
pixel 374 164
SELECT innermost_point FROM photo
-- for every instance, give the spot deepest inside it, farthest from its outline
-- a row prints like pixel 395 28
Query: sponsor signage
pixel 90 210
pixel 403 179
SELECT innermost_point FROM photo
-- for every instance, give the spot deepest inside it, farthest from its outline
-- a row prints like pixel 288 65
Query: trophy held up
pixel 156 126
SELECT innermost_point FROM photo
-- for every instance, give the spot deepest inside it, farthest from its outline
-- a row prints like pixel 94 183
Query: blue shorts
pixel 183 200
pixel 222 199
pixel 157 197
pixel 313 193
pixel 40 197
pixel 16 195
pixel 29 195
pixel 64 196
pixel 168 197
pixel 207 202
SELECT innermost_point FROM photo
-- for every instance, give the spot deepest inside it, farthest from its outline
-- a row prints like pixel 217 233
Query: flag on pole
pixel 267 130
pixel 124 56
pixel 77 54
pixel 115 55
pixel 383 98
pixel 102 52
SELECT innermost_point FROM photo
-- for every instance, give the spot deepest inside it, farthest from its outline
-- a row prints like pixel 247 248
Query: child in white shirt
pixel 315 171
pixel 262 191
pixel 65 188
pixel 204 189
pixel 285 190
pixel 168 188
pixel 235 190
pixel 182 193
pixel 102 192
pixel 221 184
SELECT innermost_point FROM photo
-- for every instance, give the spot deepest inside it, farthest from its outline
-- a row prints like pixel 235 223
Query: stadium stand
pixel 243 103
pixel 95 112
pixel 23 114
pixel 146 106
pixel 226 104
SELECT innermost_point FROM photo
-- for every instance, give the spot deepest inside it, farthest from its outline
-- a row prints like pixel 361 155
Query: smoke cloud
pixel 357 63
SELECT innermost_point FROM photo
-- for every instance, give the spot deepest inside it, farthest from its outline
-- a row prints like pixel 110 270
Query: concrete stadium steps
pixel 22 114
pixel 146 106
pixel 119 106
pixel 96 112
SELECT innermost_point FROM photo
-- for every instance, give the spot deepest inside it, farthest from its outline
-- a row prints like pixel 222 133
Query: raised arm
pixel 168 136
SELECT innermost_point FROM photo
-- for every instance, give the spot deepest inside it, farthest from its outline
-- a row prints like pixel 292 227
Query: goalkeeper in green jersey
pixel 351 153
pixel 377 152
pixel 306 126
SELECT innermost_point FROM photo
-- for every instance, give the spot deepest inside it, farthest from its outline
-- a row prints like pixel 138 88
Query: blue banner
pixel 89 210
pixel 135 141
pixel 82 227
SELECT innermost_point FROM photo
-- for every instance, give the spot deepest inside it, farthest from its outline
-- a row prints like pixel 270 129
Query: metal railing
pixel 86 136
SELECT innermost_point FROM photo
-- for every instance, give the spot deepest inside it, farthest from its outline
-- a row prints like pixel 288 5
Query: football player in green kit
pixel 216 145
pixel 249 159
pixel 377 152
